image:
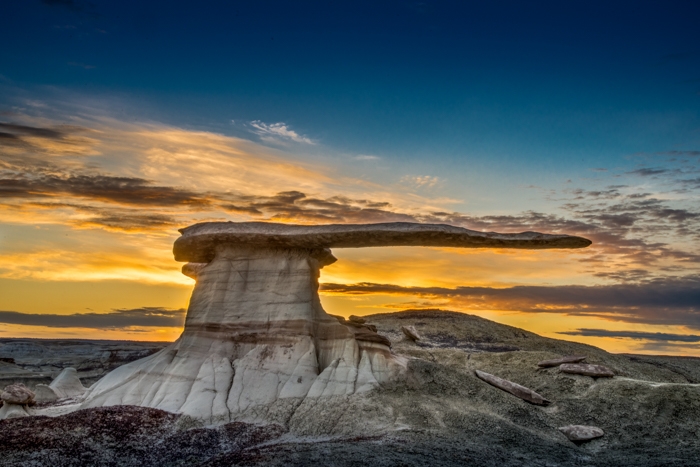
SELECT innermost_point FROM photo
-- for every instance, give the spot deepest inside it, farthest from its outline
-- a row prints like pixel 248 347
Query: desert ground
pixel 441 413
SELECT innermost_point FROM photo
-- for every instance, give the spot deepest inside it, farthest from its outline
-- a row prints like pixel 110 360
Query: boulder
pixel 17 394
pixel 596 371
pixel 558 361
pixel 410 332
pixel 517 390
pixel 579 433
pixel 356 319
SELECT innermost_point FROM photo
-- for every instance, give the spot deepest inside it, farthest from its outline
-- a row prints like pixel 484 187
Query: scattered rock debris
pixel 580 433
pixel 517 390
pixel 558 361
pixel 596 371
pixel 410 332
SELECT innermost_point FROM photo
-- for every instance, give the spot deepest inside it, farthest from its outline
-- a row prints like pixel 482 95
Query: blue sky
pixel 538 85
pixel 122 121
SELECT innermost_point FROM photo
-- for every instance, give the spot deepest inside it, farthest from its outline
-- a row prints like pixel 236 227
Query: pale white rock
pixel 43 393
pixel 199 242
pixel 558 361
pixel 516 389
pixel 581 432
pixel 410 332
pixel 67 384
pixel 596 371
pixel 257 345
pixel 8 411
pixel 255 334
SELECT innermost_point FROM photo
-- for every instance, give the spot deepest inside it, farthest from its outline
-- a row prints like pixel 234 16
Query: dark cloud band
pixel 650 336
pixel 117 319
pixel 670 301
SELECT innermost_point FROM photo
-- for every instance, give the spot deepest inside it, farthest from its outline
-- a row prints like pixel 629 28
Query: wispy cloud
pixel 648 171
pixel 421 181
pixel 297 206
pixel 637 335
pixel 687 153
pixel 121 190
pixel 661 301
pixel 117 319
pixel 366 157
pixel 278 132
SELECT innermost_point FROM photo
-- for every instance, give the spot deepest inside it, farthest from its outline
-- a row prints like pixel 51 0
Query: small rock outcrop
pixel 356 319
pixel 44 394
pixel 15 398
pixel 67 384
pixel 580 433
pixel 410 332
pixel 257 342
pixel 558 361
pixel 517 390
pixel 585 369
pixel 17 394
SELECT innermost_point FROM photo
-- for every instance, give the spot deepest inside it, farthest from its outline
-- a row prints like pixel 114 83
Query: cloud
pixel 28 143
pixel 16 131
pixel 420 181
pixel 648 171
pixel 297 206
pixel 112 218
pixel 652 336
pixel 122 190
pixel 627 230
pixel 366 157
pixel 117 319
pixel 690 153
pixel 667 301
pixel 276 132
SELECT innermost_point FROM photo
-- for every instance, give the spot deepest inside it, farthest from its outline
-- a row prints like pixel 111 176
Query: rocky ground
pixel 38 361
pixel 441 414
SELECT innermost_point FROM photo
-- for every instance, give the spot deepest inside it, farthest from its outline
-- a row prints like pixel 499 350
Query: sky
pixel 121 122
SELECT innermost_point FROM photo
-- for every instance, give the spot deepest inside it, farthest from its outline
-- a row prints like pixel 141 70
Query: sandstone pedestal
pixel 257 342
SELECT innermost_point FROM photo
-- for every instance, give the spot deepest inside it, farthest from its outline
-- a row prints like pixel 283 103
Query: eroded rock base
pixel 256 345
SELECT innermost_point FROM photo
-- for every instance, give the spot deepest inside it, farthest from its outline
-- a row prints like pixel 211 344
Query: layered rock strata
pixel 256 342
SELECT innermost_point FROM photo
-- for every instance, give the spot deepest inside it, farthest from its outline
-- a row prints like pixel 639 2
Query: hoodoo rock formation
pixel 256 342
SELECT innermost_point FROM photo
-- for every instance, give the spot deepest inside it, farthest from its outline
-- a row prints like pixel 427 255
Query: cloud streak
pixel 278 132
pixel 660 301
pixel 98 187
pixel 637 335
pixel 117 319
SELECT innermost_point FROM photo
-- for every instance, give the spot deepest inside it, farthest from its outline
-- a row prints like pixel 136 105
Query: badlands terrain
pixel 440 413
